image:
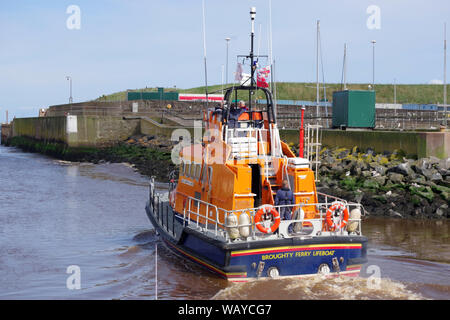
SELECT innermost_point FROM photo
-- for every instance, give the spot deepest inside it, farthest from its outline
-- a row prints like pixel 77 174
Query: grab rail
pixel 220 228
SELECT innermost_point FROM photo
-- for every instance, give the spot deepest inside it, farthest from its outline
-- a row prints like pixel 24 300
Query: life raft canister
pixel 275 215
pixel 330 213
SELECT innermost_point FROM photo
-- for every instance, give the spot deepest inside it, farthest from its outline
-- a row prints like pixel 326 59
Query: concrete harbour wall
pixel 419 144
pixel 98 131
pixel 76 131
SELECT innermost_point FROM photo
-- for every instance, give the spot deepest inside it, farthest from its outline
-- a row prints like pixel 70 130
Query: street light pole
pixel 69 78
pixel 395 91
pixel 445 74
pixel 373 64
pixel 222 77
pixel 226 74
pixel 395 98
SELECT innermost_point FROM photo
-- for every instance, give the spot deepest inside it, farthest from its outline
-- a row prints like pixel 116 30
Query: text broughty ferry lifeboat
pixel 222 212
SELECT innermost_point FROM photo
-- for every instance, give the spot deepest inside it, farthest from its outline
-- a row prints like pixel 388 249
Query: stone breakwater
pixel 387 184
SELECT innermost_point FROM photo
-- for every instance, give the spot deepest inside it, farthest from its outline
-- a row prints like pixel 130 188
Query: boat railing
pixel 222 223
pixel 244 142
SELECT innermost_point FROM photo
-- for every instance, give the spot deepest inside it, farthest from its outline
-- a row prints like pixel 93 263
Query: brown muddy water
pixel 54 215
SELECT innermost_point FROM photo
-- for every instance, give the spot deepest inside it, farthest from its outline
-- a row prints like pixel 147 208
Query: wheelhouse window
pixel 182 169
pixel 192 171
pixel 187 169
pixel 197 171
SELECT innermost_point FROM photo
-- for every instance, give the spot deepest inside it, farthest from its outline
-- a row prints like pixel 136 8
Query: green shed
pixel 354 109
pixel 152 95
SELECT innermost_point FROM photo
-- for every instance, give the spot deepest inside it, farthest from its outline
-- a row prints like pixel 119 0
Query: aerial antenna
pixel 259 40
pixel 271 62
pixel 323 77
pixel 270 33
pixel 204 53
pixel 344 69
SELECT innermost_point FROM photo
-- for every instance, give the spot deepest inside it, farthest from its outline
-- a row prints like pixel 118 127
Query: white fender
pixel 353 225
pixel 232 222
pixel 244 219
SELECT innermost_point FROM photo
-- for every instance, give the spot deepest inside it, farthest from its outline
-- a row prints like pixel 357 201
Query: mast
pixel 271 62
pixel 204 53
pixel 252 57
pixel 317 73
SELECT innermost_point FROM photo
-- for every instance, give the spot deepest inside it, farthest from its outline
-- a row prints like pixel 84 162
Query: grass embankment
pixel 406 93
pixel 147 160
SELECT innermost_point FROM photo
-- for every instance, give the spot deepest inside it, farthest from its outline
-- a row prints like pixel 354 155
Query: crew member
pixel 283 197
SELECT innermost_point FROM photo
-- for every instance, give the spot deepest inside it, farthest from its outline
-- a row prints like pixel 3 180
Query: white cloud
pixel 436 81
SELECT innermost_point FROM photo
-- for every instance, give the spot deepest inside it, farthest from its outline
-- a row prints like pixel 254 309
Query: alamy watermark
pixel 374 280
pixel 73 22
pixel 73 282
pixel 374 19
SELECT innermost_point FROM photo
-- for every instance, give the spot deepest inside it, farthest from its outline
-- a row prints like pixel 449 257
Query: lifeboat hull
pixel 243 261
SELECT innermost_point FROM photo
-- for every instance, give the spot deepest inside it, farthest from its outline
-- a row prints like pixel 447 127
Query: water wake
pixel 320 288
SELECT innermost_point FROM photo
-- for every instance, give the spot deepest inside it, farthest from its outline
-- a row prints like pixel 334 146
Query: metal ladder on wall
pixel 312 147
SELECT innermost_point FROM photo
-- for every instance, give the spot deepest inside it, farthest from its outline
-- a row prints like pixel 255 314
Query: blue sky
pixel 128 44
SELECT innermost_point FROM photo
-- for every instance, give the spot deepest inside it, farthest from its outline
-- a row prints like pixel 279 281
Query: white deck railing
pixel 215 220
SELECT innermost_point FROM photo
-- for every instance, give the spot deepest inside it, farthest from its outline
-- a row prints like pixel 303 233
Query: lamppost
pixel 226 73
pixel 445 74
pixel 373 64
pixel 69 78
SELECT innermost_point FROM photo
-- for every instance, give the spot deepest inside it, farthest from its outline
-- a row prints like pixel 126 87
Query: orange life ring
pixel 267 210
pixel 330 212
pixel 244 116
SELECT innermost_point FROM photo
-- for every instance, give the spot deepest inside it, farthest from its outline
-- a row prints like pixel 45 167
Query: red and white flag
pixel 261 77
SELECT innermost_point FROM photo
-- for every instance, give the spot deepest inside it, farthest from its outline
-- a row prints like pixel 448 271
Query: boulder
pixel 403 168
pixel 397 154
pixel 370 151
pixel 416 200
pixel 381 170
pixel 373 164
pixel 371 184
pixel 444 172
pixel 381 180
pixel 422 163
pixel 358 197
pixel 367 158
pixel 366 174
pixel 439 212
pixel 395 177
pixel 337 168
pixel 442 210
pixel 445 164
pixel 424 192
pixel 380 198
pixel 435 177
pixel 383 161
pixel 361 164
pixel 349 183
pixel 343 153
pixel 433 160
pixel 328 160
